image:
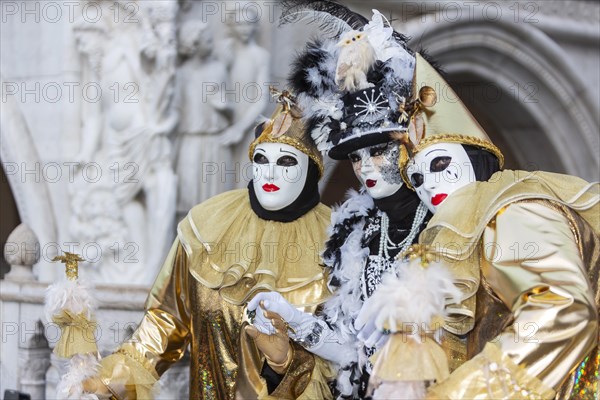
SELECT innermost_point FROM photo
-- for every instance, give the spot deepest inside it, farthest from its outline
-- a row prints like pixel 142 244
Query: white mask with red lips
pixel 376 167
pixel 438 171
pixel 279 174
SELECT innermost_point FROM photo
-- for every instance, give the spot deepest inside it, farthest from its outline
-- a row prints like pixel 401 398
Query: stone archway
pixel 31 195
pixel 9 216
pixel 536 107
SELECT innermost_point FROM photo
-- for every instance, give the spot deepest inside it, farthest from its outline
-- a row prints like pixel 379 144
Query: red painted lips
pixel 370 183
pixel 438 198
pixel 269 187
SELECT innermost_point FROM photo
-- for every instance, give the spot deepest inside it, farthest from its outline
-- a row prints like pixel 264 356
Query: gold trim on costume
pixel 442 118
pixel 503 188
pixel 289 129
pixel 448 138
pixel 248 254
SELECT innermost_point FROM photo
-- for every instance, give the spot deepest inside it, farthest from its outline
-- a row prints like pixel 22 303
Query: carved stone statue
pixel 126 134
pixel 203 117
pixel 249 77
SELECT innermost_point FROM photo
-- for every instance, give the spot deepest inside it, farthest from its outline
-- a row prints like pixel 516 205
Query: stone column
pixel 34 360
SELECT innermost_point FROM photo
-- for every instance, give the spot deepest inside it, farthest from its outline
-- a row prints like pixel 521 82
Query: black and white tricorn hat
pixel 354 82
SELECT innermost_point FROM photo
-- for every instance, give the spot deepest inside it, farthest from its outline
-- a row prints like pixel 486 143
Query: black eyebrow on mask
pixel 261 150
pixel 289 152
pixel 431 151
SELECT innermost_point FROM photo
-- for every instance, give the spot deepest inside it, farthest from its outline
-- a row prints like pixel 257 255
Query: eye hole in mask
pixel 260 159
pixel 439 164
pixel 378 150
pixel 287 161
pixel 416 179
pixel 354 157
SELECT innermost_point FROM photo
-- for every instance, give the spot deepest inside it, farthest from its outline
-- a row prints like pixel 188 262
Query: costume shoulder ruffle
pixel 232 250
pixel 485 199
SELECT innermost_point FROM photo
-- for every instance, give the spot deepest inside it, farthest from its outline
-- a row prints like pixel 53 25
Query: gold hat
pixel 286 126
pixel 439 116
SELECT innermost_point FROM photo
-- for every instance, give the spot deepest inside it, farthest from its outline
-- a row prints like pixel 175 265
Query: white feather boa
pixel 81 367
pixel 73 296
pixel 343 307
pixel 416 297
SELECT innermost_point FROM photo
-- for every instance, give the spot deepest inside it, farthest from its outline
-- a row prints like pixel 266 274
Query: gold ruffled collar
pixel 232 250
pixel 457 226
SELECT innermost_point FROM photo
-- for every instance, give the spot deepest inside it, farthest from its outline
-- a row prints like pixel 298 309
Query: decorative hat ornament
pixel 438 115
pixel 354 83
pixel 286 126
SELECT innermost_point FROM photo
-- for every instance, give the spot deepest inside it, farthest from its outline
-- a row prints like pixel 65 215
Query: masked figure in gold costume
pixel 228 248
pixel 528 242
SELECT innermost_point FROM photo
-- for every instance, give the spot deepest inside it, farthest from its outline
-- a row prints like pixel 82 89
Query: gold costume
pixel 535 237
pixel 224 254
pixel 528 327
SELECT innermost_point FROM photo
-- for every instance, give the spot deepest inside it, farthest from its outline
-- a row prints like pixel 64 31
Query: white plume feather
pixel 329 24
pixel 70 295
pixel 416 297
pixel 70 386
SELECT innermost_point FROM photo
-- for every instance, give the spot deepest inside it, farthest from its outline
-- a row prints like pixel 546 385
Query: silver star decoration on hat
pixel 371 106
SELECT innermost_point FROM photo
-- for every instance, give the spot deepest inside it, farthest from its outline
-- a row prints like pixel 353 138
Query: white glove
pixel 307 330
pixel 299 322
pixel 368 333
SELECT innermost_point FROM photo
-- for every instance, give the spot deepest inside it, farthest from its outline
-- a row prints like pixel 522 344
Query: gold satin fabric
pixel 491 375
pixel 77 334
pixel 422 357
pixel 183 309
pixel 232 250
pixel 537 306
pixel 457 234
pixel 538 272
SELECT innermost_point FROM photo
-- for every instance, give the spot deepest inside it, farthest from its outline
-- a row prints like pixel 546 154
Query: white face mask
pixel 280 172
pixel 438 171
pixel 376 167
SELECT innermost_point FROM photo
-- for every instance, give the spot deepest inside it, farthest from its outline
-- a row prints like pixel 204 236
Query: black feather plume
pixel 313 58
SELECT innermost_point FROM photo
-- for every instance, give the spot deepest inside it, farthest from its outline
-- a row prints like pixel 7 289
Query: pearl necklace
pixel 386 244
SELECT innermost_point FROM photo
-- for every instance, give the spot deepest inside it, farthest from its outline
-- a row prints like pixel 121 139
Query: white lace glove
pixel 307 330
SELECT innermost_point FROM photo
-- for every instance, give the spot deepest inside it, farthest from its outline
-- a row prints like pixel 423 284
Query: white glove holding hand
pixel 299 322
pixel 368 333
pixel 309 331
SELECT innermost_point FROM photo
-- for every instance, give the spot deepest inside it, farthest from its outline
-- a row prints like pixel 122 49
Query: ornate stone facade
pixel 91 128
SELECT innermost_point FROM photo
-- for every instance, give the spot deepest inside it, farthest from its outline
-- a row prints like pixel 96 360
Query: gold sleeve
pixel 532 262
pixel 161 337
